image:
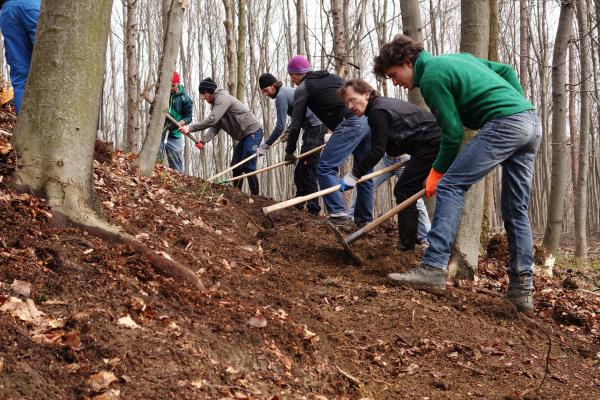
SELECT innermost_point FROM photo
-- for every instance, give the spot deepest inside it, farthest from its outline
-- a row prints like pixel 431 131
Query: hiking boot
pixel 339 221
pixel 521 298
pixel 361 224
pixel 407 230
pixel 423 276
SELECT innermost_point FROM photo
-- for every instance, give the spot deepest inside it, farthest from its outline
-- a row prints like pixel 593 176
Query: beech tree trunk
pixel 172 37
pixel 581 188
pixel 558 183
pixel 301 47
pixel 229 48
pixel 241 51
pixel 339 37
pixel 132 129
pixel 474 39
pixel 413 27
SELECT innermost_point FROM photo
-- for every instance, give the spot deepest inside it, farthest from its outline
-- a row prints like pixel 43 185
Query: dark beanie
pixel 207 86
pixel 266 79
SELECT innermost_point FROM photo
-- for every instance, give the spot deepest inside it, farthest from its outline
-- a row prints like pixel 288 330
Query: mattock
pixel 348 240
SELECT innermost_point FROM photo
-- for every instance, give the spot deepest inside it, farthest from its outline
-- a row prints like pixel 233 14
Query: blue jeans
pixel 18 22
pixel 512 142
pixel 386 161
pixel 174 149
pixel 244 149
pixel 351 136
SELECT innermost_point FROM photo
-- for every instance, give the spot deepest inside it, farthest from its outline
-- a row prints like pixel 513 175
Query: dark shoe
pixel 423 276
pixel 361 224
pixel 407 230
pixel 339 222
pixel 521 298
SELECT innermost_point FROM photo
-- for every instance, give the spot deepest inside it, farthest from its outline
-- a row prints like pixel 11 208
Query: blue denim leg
pixel 175 153
pixel 18 22
pixel 510 141
pixel 424 222
pixel 351 136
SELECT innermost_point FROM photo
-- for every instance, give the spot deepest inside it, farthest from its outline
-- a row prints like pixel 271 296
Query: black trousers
pixel 305 174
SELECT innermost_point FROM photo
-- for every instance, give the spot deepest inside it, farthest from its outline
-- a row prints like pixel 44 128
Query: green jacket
pixel 180 108
pixel 463 90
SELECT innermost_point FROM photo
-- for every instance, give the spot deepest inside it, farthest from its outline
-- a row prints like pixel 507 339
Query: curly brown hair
pixel 401 50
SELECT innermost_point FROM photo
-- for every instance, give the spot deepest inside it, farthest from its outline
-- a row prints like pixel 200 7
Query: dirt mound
pixel 286 315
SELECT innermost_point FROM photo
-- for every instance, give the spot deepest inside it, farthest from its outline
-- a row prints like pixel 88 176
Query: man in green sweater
pixel 464 91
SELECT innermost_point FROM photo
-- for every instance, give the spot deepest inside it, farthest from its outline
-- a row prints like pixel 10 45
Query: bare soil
pixel 286 313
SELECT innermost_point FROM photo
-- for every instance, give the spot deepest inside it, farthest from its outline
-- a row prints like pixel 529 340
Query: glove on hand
pixel 432 181
pixel 199 145
pixel 348 182
pixel 290 157
pixel 262 149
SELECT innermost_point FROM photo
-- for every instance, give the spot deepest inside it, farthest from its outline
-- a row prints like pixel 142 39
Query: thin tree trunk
pixel 172 37
pixel 581 189
pixel 339 37
pixel 523 44
pixel 413 27
pixel 229 47
pixel 132 130
pixel 241 51
pixel 301 47
pixel 573 112
pixel 558 183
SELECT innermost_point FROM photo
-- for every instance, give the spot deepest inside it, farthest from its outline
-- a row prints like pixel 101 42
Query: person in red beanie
pixel 180 108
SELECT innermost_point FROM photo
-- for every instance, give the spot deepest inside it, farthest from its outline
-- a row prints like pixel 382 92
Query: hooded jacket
pixel 229 114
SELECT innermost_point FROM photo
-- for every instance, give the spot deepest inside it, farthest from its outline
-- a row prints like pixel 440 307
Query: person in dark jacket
pixel 18 22
pixel 397 127
pixel 463 90
pixel 180 108
pixel 305 174
pixel 235 118
pixel 317 91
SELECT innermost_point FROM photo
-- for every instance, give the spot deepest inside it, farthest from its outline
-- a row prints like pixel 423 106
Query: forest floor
pixel 285 313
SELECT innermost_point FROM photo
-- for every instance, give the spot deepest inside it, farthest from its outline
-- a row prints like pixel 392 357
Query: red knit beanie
pixel 176 78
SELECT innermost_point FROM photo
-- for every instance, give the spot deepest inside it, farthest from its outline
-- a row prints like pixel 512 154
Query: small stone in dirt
pixel 21 287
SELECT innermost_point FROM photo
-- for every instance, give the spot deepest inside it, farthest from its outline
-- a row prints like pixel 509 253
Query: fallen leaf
pixel 308 335
pixel 1 364
pixel 142 236
pixel 128 322
pixel 165 255
pixel 102 380
pixel 111 394
pixel 21 287
pixel 108 204
pixel 258 321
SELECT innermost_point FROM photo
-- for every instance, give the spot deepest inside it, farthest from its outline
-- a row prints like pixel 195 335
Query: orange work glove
pixel 432 181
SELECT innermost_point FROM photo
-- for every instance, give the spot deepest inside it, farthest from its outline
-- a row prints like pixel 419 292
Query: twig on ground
pixel 346 375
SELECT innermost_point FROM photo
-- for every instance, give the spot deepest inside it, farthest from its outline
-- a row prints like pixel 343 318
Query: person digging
pixel 314 131
pixel 235 118
pixel 317 91
pixel 462 90
pixel 397 127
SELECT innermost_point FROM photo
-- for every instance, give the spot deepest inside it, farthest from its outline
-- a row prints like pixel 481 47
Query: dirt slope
pixel 286 315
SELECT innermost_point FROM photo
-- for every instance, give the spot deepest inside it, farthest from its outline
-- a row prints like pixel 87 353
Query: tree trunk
pixel 523 44
pixel 581 189
pixel 339 37
pixel 573 112
pixel 132 129
pixel 229 47
pixel 474 39
pixel 172 37
pixel 301 44
pixel 241 51
pixel 413 27
pixel 558 183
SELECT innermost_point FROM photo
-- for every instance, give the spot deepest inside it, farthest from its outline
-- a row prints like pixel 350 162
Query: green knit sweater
pixel 463 90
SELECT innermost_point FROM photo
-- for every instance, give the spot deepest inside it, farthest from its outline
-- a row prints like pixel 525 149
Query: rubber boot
pixel 407 230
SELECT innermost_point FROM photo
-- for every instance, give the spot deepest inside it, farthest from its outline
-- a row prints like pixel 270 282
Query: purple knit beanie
pixel 299 65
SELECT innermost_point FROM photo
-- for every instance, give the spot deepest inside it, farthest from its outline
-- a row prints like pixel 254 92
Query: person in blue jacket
pixel 305 174
pixel 18 22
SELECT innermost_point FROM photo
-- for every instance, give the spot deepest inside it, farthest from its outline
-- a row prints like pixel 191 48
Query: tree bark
pixel 413 27
pixel 172 37
pixel 581 189
pixel 558 183
pixel 523 44
pixel 339 37
pixel 474 39
pixel 132 129
pixel 241 51
pixel 301 47
pixel 229 47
